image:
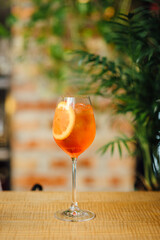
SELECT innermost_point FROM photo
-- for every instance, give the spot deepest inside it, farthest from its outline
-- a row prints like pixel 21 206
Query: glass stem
pixel 74 168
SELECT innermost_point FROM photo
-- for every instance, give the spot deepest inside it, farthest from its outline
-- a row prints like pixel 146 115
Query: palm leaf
pixel 118 141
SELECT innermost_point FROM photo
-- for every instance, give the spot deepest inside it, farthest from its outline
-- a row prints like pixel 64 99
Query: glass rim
pixel 74 96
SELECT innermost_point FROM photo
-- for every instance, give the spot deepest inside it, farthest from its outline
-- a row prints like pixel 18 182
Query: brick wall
pixel 35 156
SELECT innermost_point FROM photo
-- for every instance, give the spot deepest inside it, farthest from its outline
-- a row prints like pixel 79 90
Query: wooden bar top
pixel 30 215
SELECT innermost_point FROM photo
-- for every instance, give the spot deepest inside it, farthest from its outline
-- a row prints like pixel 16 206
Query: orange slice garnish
pixel 63 122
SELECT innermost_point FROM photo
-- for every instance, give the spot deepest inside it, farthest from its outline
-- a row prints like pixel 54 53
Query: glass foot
pixel 74 215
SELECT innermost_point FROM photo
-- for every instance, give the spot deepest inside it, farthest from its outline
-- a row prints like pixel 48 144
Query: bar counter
pixel 30 215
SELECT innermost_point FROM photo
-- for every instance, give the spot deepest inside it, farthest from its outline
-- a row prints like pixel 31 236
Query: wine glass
pixel 74 130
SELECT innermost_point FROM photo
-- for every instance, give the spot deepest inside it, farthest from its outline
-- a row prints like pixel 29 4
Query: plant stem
pixel 147 162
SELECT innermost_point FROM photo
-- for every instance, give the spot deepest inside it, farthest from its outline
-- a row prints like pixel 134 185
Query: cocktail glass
pixel 74 130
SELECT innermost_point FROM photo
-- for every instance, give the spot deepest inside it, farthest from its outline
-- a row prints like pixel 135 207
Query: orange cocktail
pixel 83 132
pixel 74 130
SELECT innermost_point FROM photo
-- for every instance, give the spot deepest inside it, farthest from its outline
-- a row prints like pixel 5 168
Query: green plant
pixel 56 27
pixel 132 81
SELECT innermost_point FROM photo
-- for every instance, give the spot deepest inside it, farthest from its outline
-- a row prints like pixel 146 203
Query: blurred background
pixel 37 40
